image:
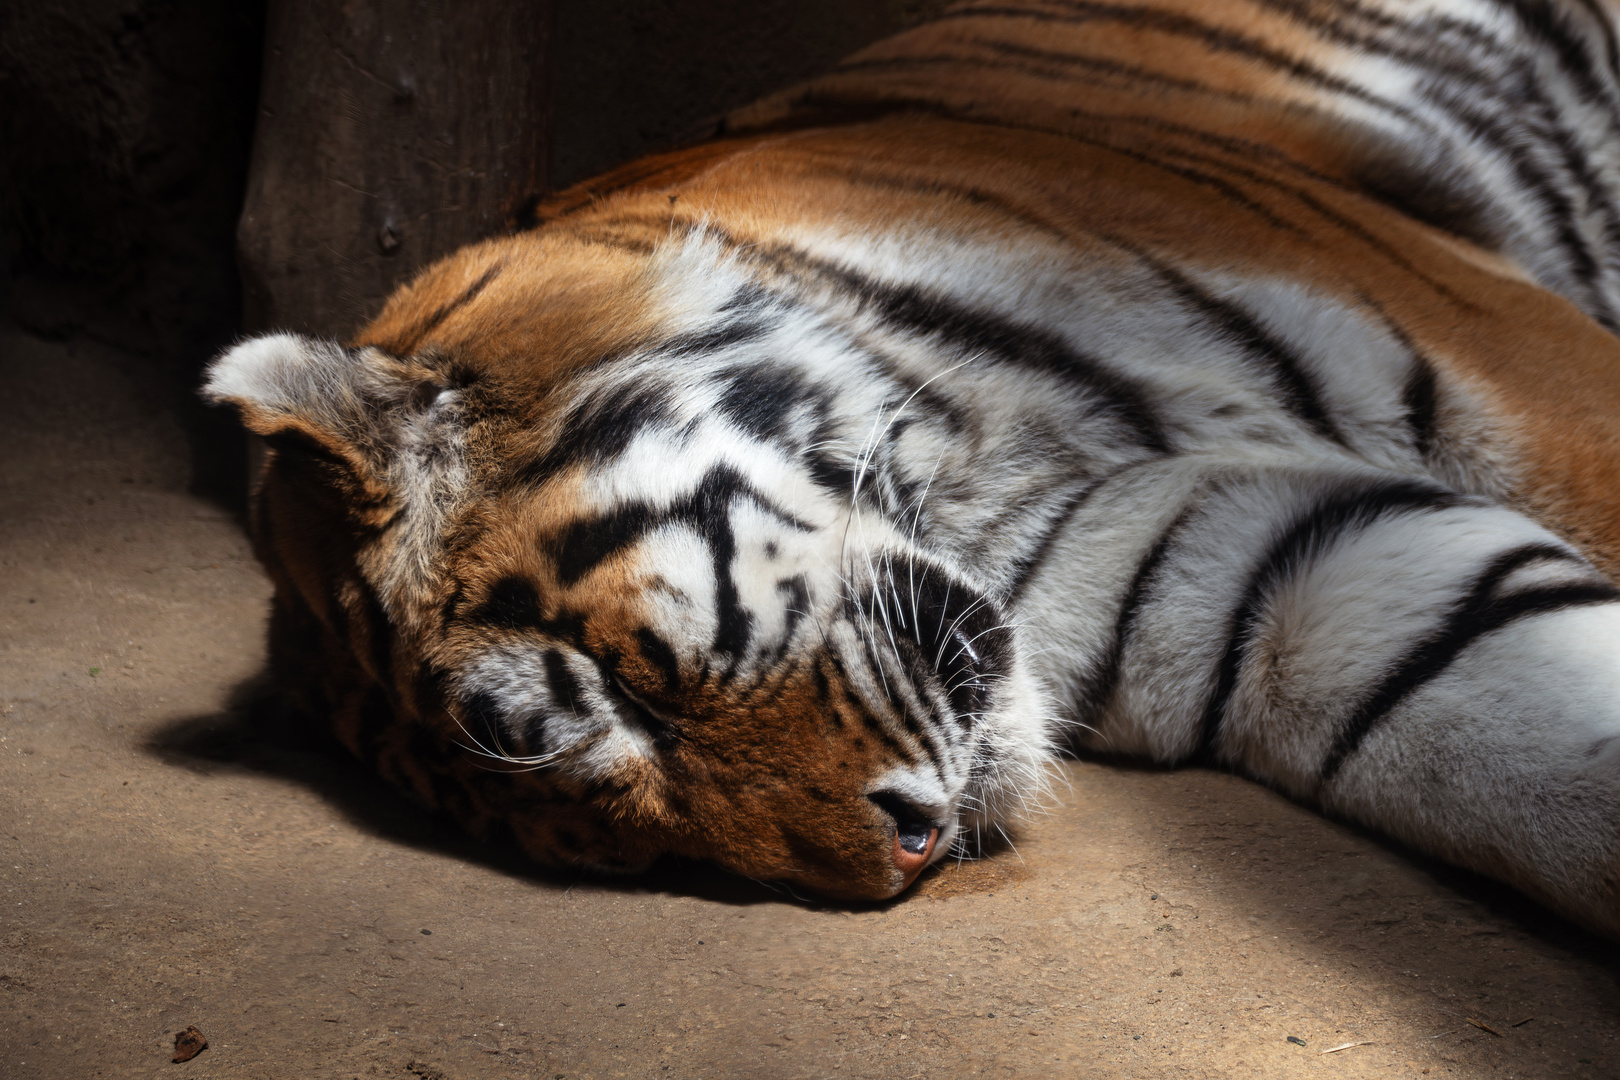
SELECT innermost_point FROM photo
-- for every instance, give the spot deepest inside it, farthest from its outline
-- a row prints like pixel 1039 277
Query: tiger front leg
pixel 1425 663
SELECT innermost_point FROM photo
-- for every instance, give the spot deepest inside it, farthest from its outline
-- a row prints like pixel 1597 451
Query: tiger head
pixel 641 558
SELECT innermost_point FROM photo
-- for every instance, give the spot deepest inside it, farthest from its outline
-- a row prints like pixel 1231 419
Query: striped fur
pixel 1228 382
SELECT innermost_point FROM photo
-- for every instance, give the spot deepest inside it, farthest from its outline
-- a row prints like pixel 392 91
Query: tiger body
pixel 1230 383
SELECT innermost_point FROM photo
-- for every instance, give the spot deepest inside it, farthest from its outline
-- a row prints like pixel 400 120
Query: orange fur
pixel 930 132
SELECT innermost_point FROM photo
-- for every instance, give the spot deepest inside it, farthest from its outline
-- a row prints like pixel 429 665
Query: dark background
pixel 177 172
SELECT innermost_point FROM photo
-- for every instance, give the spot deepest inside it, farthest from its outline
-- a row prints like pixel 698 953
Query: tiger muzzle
pixel 950 631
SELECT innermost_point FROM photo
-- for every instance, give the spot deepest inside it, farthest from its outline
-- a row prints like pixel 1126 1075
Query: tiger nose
pixel 914 834
pixel 913 847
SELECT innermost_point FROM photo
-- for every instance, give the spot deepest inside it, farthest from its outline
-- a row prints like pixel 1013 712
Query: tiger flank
pixel 1222 382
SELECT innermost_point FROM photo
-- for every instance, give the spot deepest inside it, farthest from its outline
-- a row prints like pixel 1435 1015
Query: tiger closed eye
pixel 794 499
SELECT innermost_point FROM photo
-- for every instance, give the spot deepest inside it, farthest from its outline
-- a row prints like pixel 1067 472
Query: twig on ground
pixel 1346 1046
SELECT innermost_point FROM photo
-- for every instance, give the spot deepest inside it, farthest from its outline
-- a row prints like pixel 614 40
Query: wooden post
pixel 390 133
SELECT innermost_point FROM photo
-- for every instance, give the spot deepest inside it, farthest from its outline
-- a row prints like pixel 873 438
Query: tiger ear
pixel 359 405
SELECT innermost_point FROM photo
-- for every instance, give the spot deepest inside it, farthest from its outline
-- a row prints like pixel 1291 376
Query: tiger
pixel 1224 383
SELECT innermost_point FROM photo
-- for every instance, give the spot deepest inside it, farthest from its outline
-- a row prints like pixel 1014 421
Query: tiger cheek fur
pixel 772 796
pixel 758 776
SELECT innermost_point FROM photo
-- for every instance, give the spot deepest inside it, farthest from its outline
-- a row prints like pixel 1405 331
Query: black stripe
pixel 1303 70
pixel 932 616
pixel 1611 48
pixel 1418 190
pixel 1197 176
pixel 657 728
pixel 918 671
pixel 1421 395
pixel 713 339
pixel 1420 398
pixel 1553 28
pixel 599 429
pixel 975 332
pixel 1100 684
pixel 1344 222
pixel 1486 125
pixel 823 98
pixel 585 544
pixel 836 477
pixel 795 607
pixel 603 426
pixel 512 603
pixel 824 695
pixel 842 171
pixel 868 720
pixel 1481 613
pixel 599 234
pixel 761 398
pixel 1025 567
pixel 561 683
pixel 1217 38
pixel 1480 108
pixel 443 311
pixel 1305 540
pixel 1297 390
pixel 1351 225
pixel 1434 52
pixel 1229 191
pixel 1483 101
pixel 913 309
pixel 452 605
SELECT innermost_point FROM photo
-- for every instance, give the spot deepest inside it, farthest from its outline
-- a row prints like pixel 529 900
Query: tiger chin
pixel 1212 383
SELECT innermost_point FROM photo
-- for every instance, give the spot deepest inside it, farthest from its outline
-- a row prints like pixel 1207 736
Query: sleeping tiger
pixel 1222 382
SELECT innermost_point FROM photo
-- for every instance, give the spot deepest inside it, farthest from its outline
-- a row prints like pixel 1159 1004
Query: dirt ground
pixel 165 866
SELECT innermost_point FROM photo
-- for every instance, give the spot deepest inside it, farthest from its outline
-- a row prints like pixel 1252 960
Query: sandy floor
pixel 164 866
